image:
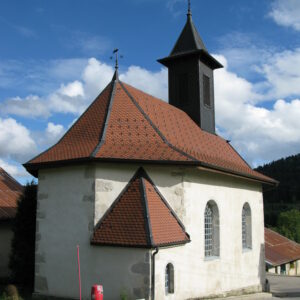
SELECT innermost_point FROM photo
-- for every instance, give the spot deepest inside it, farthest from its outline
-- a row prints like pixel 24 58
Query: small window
pixel 211 230
pixel 206 91
pixel 246 227
pixel 183 89
pixel 169 279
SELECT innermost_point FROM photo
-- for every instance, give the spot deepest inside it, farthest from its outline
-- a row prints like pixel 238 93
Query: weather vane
pixel 117 57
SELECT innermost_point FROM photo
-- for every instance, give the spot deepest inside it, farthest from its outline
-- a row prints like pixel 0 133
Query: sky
pixel 55 59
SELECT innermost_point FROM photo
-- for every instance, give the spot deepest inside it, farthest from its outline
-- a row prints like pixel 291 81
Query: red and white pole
pixel 78 260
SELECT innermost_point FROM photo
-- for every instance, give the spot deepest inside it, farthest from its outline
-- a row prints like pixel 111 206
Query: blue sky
pixel 55 58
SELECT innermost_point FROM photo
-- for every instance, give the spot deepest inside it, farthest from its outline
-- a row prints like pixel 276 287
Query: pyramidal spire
pixel 189 39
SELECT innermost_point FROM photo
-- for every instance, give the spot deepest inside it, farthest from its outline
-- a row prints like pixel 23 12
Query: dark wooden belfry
pixel 191 79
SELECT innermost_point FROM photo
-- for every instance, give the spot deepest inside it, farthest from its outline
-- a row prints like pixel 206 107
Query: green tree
pixel 23 243
pixel 289 224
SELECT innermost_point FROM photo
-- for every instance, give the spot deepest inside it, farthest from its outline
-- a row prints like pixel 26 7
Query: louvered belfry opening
pixel 191 78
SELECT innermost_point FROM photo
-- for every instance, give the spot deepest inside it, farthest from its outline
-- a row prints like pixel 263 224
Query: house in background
pixel 282 254
pixel 10 191
pixel 160 205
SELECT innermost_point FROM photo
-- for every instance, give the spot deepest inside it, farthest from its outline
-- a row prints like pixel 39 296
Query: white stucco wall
pixel 6 236
pixel 65 217
pixel 72 200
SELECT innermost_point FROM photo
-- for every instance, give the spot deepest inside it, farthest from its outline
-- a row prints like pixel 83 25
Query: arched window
pixel 246 227
pixel 211 230
pixel 169 279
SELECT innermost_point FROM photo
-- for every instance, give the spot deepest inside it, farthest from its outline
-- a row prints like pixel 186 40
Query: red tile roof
pixel 10 191
pixel 140 217
pixel 279 249
pixel 126 124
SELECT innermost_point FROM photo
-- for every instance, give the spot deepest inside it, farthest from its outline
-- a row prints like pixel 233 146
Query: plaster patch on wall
pixel 103 186
pixel 42 196
pixel 41 283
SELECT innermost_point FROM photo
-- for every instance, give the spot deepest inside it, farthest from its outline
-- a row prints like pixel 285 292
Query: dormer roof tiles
pixel 140 217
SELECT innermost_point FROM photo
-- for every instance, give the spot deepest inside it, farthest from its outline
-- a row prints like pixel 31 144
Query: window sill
pixel 247 250
pixel 210 258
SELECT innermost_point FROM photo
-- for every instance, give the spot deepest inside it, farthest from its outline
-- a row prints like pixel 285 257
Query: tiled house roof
pixel 140 217
pixel 279 249
pixel 126 124
pixel 10 191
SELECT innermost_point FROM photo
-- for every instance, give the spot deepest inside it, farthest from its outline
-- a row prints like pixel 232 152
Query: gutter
pixel 153 274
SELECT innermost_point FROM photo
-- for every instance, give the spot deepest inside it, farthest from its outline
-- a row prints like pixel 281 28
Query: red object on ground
pixel 97 292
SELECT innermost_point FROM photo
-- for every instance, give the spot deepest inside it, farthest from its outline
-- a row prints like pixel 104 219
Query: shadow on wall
pixel 261 266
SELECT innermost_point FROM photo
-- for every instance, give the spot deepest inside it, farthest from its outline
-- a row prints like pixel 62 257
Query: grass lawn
pixel 24 294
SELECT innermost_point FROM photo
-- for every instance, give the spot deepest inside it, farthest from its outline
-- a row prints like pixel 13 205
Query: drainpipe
pixel 153 274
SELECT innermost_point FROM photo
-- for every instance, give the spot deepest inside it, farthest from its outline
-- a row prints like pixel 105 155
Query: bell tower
pixel 191 78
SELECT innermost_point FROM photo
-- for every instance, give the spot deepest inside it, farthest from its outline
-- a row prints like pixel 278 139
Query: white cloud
pixel 50 136
pixel 96 75
pixel 286 13
pixel 75 96
pixel 54 131
pixel 15 140
pixel 282 74
pixel 155 83
pixel 31 106
pixel 260 134
pixel 13 169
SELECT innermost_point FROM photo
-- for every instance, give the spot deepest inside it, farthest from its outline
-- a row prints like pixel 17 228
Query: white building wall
pixel 6 236
pixel 65 216
pixel 72 200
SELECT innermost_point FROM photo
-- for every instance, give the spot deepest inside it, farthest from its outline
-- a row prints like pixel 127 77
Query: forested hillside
pixel 282 204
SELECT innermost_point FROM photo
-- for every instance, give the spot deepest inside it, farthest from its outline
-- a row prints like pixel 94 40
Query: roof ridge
pixel 167 204
pixel 146 208
pixel 108 110
pixel 81 116
pixel 164 139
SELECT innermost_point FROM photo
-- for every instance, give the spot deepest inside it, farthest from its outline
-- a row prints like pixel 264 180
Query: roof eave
pixel 204 56
pixel 152 246
pixel 34 168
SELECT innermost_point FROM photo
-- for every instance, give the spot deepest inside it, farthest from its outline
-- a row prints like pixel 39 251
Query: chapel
pixel 161 206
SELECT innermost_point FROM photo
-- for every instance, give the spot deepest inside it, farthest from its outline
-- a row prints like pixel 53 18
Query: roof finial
pixel 189 14
pixel 116 52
